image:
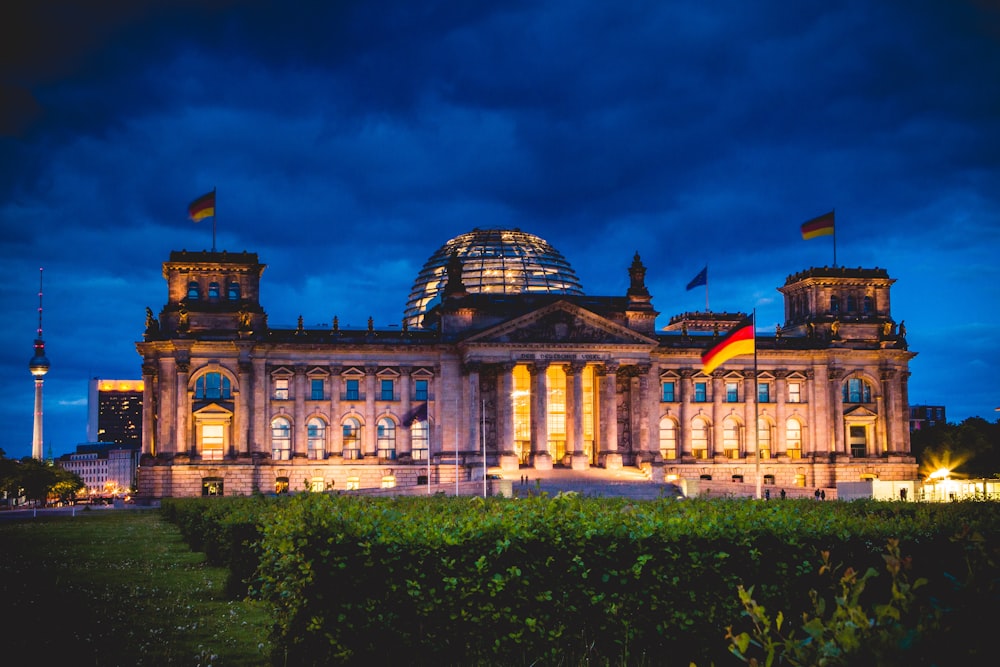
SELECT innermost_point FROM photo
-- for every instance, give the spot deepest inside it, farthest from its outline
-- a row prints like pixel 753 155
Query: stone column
pixel 610 458
pixel 404 446
pixel 184 441
pixel 574 416
pixel 715 441
pixel 643 414
pixel 241 420
pixel 261 409
pixel 780 407
pixel 472 406
pixel 300 434
pixel 505 417
pixel 540 457
pixel 368 446
pixel 336 442
pixel 751 419
pixel 686 391
pixel 840 445
pixel 821 435
pixel 149 404
pixel 904 401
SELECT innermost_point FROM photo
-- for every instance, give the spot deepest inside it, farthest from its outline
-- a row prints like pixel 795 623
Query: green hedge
pixel 568 580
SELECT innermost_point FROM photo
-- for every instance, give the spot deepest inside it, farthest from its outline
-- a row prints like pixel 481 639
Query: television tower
pixel 39 366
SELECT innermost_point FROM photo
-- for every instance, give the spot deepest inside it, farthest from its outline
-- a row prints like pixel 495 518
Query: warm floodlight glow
pixel 940 473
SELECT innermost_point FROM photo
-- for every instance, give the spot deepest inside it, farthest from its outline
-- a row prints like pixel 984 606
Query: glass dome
pixel 502 261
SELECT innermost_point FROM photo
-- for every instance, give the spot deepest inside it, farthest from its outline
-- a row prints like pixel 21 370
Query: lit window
pixel 418 441
pixel 281 389
pixel 317 485
pixel 731 438
pixel 699 438
pixel 386 439
pixel 213 440
pixel 281 485
pixel 793 438
pixel 316 436
pixel 668 392
pixel 212 486
pixel 732 392
pixel 352 438
pixel 668 438
pixel 764 438
pixel 316 392
pixel 281 439
pixel 794 392
pixel 858 440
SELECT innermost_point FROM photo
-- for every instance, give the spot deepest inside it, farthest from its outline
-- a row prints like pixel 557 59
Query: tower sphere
pixel 501 261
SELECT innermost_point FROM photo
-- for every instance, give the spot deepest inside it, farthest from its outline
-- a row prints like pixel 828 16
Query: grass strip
pixel 119 587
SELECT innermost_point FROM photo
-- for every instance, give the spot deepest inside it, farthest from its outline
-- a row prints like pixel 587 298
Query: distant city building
pixel 105 468
pixel 926 416
pixel 114 412
pixel 501 353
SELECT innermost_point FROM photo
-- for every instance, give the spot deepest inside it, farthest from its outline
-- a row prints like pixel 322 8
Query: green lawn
pixel 118 587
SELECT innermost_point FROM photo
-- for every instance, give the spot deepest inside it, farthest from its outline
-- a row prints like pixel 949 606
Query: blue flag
pixel 700 279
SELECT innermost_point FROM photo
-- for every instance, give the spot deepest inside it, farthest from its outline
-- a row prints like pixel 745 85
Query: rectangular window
pixel 317 390
pixel 668 392
pixel 281 389
pixel 794 392
pixel 386 390
pixel 732 392
pixel 420 390
pixel 700 392
pixel 763 392
pixel 352 390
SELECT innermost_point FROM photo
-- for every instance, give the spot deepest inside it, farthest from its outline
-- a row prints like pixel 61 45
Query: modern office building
pixel 114 412
pixel 926 416
pixel 501 352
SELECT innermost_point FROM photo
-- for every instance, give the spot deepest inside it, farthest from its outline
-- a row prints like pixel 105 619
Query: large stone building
pixel 501 352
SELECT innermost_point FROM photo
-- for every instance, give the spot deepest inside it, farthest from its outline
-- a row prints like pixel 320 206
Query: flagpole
pixel 756 407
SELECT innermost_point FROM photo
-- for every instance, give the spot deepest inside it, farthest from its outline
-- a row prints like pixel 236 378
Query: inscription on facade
pixel 561 356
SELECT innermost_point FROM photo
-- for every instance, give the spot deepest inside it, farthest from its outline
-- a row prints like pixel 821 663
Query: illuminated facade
pixel 536 377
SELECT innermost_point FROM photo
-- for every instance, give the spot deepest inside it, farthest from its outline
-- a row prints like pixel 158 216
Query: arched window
pixel 834 304
pixel 352 438
pixel 213 385
pixel 856 390
pixel 316 437
pixel 793 438
pixel 699 438
pixel 418 441
pixel 731 437
pixel 668 438
pixel 281 439
pixel 764 438
pixel 386 439
pixel 213 290
pixel 233 293
pixel 194 291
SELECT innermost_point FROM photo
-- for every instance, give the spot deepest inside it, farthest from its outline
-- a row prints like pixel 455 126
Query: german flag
pixel 202 207
pixel 819 226
pixel 739 341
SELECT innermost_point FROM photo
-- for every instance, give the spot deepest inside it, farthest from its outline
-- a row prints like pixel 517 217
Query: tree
pixel 971 448
pixel 66 484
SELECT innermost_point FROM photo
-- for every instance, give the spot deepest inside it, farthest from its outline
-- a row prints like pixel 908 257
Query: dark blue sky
pixel 349 140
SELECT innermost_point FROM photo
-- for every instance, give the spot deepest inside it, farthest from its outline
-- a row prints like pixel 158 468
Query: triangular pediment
pixel 561 323
pixel 213 410
pixel 860 412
